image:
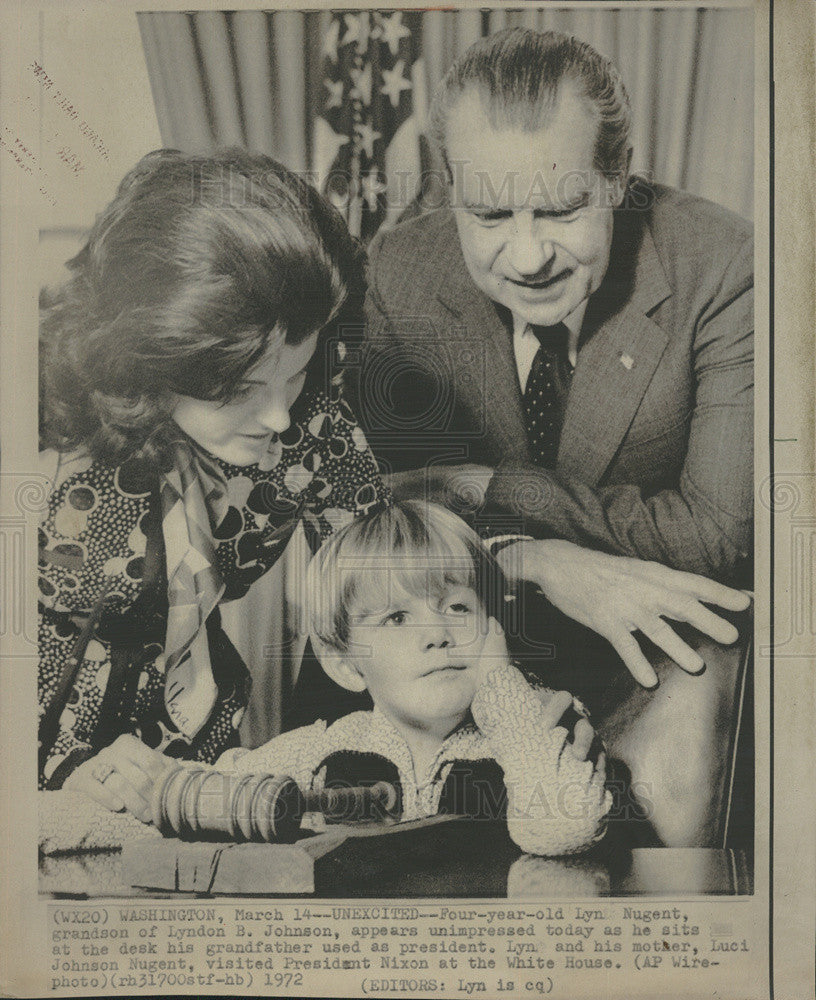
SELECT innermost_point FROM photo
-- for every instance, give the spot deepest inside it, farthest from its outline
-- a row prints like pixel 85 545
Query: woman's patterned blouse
pixel 94 552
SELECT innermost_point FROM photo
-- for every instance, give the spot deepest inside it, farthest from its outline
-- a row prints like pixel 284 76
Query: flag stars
pixel 335 98
pixel 357 28
pixel 371 52
pixel 330 40
pixel 362 83
pixel 393 30
pixel 394 82
pixel 372 187
pixel 367 136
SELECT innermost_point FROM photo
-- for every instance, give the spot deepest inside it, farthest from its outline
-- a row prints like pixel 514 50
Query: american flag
pixel 366 138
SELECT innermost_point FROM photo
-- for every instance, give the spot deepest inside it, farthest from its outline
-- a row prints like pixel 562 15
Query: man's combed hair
pixel 197 268
pixel 518 74
pixel 413 545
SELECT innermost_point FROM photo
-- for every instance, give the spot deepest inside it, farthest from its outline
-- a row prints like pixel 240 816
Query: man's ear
pixel 338 665
pixel 448 171
pixel 622 181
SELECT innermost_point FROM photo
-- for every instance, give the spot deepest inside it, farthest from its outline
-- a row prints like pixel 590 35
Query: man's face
pixel 534 215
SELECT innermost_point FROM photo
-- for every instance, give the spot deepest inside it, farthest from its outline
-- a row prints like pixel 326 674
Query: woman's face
pixel 241 430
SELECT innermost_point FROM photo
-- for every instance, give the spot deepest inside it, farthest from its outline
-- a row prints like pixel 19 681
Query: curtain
pixel 254 78
pixel 689 74
pixel 240 78
pixel 259 79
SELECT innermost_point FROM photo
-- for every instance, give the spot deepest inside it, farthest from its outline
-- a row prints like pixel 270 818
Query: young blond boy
pixel 402 603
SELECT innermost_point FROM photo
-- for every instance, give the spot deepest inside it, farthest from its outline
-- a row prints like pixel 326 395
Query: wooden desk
pixel 454 858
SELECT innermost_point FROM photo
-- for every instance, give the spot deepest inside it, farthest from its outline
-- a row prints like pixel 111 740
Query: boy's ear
pixel 338 665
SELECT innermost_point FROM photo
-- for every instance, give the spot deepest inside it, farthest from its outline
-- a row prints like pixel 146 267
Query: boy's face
pixel 420 656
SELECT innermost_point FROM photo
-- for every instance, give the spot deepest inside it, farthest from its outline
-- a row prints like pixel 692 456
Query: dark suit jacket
pixel 656 453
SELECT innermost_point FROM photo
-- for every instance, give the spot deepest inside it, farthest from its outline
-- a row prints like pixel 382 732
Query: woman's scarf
pixel 193 504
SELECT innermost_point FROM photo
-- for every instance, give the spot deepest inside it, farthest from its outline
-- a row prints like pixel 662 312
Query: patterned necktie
pixel 545 396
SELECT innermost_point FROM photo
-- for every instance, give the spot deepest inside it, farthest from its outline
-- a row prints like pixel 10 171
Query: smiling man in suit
pixel 565 352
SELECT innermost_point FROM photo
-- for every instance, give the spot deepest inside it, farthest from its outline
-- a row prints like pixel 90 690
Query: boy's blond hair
pixel 419 546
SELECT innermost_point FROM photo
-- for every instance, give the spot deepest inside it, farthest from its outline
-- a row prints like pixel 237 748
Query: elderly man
pixel 565 352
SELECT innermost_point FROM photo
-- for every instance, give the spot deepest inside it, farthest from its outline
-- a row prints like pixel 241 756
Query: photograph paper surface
pixel 413 537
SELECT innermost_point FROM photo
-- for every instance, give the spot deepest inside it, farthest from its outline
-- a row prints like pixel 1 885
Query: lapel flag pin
pixel 627 361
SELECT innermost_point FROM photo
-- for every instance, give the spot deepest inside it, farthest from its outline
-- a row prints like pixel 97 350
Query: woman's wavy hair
pixel 197 268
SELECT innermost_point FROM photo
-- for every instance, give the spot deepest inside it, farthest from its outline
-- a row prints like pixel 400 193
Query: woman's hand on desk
pixel 616 596
pixel 121 776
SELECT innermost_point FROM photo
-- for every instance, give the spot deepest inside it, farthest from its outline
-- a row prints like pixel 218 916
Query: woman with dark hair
pixel 191 419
